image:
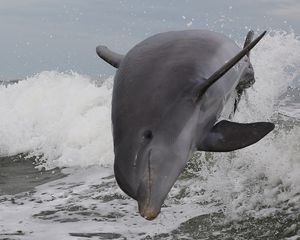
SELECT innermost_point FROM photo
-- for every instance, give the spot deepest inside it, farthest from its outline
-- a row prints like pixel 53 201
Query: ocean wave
pixel 61 118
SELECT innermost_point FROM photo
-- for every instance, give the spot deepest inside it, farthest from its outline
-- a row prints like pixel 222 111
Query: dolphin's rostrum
pixel 169 92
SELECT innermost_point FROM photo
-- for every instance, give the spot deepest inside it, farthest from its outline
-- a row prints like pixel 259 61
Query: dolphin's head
pixel 148 162
pixel 151 174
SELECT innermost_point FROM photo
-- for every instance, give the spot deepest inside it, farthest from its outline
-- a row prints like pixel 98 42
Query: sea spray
pixel 62 118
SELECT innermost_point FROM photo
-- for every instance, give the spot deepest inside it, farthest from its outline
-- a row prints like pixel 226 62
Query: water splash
pixel 64 118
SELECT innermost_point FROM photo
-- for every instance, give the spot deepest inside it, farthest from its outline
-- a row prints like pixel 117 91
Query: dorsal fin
pixel 248 40
pixel 109 56
pixel 228 65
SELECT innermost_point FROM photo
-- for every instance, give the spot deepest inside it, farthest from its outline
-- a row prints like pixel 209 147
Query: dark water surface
pixel 19 174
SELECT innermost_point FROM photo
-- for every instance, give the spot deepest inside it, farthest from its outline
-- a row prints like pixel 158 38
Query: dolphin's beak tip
pixel 149 214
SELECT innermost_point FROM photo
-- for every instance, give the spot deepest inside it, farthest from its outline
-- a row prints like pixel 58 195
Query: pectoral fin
pixel 228 136
pixel 109 56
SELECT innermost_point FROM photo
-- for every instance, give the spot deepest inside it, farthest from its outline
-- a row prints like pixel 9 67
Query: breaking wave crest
pixel 62 118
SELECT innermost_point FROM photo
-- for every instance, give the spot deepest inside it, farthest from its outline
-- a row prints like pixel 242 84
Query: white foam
pixel 62 116
pixel 292 110
pixel 276 62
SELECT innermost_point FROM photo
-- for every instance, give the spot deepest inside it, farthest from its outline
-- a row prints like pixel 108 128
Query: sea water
pixel 56 174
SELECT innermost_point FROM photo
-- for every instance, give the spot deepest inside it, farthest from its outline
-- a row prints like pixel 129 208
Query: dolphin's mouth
pixel 149 178
pixel 147 203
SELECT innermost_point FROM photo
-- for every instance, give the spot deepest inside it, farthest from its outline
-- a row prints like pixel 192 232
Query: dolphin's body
pixel 169 91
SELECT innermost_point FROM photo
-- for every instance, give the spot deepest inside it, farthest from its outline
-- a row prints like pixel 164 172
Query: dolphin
pixel 169 91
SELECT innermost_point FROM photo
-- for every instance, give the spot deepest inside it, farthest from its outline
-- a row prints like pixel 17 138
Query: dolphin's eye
pixel 148 135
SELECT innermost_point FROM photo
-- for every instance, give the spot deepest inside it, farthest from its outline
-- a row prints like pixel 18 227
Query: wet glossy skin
pixel 157 124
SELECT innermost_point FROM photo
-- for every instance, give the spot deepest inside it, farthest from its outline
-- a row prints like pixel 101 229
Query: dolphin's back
pixel 181 49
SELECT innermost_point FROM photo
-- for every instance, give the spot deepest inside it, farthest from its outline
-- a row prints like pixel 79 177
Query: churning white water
pixel 64 119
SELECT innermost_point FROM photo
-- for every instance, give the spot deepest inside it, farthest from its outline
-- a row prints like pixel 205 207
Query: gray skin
pixel 158 116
